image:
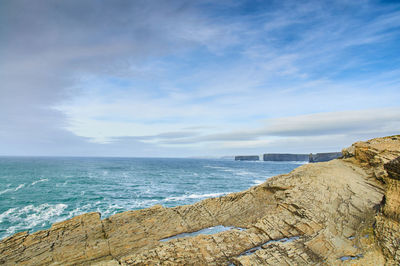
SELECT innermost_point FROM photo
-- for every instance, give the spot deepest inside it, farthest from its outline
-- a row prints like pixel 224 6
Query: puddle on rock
pixel 205 231
pixel 344 258
pixel 284 240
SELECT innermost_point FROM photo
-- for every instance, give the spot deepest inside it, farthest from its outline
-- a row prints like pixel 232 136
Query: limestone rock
pixel 285 157
pixel 381 157
pixel 247 158
pixel 324 157
pixel 393 168
pixel 324 213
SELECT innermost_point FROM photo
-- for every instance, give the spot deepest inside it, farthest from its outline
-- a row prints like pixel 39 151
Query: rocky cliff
pixel 247 158
pixel 285 157
pixel 345 211
pixel 324 157
pixel 312 158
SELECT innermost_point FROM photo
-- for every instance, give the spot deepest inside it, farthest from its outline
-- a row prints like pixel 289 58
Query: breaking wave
pixel 258 182
pixel 12 189
pixel 196 196
pixel 30 216
pixel 40 180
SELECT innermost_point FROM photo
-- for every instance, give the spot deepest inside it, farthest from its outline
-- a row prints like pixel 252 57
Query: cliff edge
pixel 345 211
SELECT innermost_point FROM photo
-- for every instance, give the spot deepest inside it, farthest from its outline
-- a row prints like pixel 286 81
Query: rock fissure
pixel 108 243
pixel 227 258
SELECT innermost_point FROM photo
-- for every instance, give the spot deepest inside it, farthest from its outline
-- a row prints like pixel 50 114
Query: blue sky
pixel 196 78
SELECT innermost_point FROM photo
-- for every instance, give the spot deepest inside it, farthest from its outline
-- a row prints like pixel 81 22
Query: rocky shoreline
pixel 345 211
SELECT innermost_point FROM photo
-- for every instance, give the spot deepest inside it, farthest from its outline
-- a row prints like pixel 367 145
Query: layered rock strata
pixel 324 157
pixel 278 157
pixel 381 158
pixel 343 211
pixel 247 158
pixel 312 157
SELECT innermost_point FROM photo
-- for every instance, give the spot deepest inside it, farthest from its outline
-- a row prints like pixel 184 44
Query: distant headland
pixel 281 157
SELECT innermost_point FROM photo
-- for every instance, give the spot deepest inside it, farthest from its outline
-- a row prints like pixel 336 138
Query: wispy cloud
pixel 370 122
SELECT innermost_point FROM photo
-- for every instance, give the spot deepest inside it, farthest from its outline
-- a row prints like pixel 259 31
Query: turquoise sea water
pixel 38 191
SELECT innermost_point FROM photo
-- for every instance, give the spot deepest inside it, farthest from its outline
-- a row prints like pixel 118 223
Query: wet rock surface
pixel 328 213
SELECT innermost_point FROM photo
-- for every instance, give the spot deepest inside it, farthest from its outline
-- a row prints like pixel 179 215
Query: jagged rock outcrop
pixel 381 157
pixel 339 212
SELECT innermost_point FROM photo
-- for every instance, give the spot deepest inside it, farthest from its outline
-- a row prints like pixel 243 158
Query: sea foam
pixel 196 196
pixel 12 189
pixel 31 216
pixel 40 180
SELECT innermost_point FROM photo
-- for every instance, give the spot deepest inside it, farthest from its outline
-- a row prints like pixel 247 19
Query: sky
pixel 196 78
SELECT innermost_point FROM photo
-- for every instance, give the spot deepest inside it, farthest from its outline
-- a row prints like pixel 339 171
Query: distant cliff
pixel 312 158
pixel 324 157
pixel 285 157
pixel 247 158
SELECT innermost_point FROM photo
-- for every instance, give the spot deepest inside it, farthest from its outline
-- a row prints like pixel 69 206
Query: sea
pixel 36 192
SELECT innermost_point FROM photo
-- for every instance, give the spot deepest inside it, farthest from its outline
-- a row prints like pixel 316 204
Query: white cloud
pixel 361 123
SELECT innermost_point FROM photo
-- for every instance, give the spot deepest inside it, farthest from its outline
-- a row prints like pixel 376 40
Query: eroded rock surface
pixel 325 213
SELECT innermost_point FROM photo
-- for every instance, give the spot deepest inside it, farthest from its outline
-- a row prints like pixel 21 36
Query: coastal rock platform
pixel 345 211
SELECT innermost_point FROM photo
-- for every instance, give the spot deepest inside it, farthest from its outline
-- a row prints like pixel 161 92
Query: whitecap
pixel 80 210
pixel 12 189
pixel 228 170
pixel 112 209
pixel 40 180
pixel 143 203
pixel 31 216
pixel 19 187
pixel 11 230
pixel 258 182
pixel 196 196
pixel 298 162
pixel 216 167
pixel 45 211
pixel 6 214
pixel 62 184
pixel 221 168
pixel 243 173
pixel 6 190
